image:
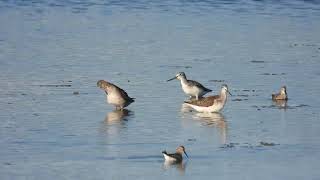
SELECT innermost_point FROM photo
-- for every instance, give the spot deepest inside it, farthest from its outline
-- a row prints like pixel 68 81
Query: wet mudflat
pixel 55 123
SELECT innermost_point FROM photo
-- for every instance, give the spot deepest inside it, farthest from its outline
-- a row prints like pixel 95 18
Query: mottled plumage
pixel 175 157
pixel 204 102
pixel 211 103
pixel 190 87
pixel 282 95
pixel 115 95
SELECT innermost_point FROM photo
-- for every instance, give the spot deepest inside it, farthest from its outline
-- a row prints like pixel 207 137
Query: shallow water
pixel 55 123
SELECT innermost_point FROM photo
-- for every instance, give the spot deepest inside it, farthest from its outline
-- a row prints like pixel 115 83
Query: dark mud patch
pixel 55 85
pixel 230 145
pixel 280 106
pixel 302 44
pixel 245 90
pixel 76 93
pixel 302 105
pixel 175 67
pixel 262 143
pixel 248 145
pixel 243 95
pixel 202 60
pixel 273 74
pixel 257 61
pixel 214 80
pixel 238 99
pixel 35 114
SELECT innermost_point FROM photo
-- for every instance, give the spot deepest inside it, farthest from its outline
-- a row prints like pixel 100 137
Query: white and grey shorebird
pixel 175 157
pixel 282 95
pixel 115 95
pixel 190 87
pixel 211 103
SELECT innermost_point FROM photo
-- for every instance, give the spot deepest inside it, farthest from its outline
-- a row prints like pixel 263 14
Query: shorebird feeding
pixel 115 95
pixel 211 103
pixel 190 87
pixel 175 157
pixel 282 95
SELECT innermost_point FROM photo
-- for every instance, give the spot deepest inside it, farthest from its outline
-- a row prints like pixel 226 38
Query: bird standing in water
pixel 115 95
pixel 211 103
pixel 190 87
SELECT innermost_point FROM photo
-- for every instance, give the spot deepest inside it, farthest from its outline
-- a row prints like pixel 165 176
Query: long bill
pixel 171 79
pixel 229 92
pixel 186 154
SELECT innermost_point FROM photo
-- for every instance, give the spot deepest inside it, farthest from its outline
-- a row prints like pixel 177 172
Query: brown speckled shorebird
pixel 190 87
pixel 211 103
pixel 115 95
pixel 175 157
pixel 282 95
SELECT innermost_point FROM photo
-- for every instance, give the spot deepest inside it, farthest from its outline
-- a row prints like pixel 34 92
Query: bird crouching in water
pixel 211 103
pixel 282 95
pixel 190 87
pixel 175 157
pixel 115 95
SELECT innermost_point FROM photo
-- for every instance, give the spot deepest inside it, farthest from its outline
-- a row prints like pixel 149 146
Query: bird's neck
pixel 223 95
pixel 183 80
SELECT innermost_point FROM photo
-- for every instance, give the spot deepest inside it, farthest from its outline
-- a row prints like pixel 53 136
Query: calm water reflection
pixel 216 120
pixel 212 120
pixel 114 122
pixel 117 116
pixel 181 167
pixel 253 46
pixel 281 104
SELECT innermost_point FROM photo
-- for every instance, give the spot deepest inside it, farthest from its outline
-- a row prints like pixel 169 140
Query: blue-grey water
pixel 55 123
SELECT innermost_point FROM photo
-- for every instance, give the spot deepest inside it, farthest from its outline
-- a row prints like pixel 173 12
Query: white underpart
pixel 191 90
pixel 115 99
pixel 214 108
pixel 168 158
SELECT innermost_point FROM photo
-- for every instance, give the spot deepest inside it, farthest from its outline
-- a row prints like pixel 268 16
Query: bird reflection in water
pixel 117 116
pixel 115 121
pixel 214 120
pixel 185 109
pixel 281 104
pixel 181 166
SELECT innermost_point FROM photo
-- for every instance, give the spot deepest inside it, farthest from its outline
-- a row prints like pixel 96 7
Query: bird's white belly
pixel 214 108
pixel 168 158
pixel 114 99
pixel 190 90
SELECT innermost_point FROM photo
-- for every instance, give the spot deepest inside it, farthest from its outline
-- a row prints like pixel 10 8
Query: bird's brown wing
pixel 204 102
pixel 124 93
